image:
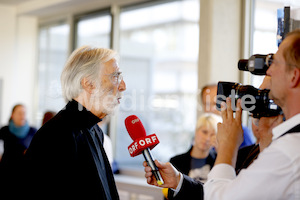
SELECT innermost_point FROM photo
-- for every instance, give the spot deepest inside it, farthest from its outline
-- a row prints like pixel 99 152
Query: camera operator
pixel 275 173
pixel 262 130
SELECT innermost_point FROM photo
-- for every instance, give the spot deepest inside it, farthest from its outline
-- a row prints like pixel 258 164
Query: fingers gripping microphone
pixel 142 144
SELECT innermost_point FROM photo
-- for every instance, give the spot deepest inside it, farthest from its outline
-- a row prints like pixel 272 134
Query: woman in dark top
pixel 199 160
pixel 17 136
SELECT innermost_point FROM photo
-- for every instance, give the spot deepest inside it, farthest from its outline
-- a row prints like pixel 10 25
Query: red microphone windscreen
pixel 135 127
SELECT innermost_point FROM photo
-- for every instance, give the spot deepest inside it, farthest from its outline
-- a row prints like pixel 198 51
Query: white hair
pixel 85 61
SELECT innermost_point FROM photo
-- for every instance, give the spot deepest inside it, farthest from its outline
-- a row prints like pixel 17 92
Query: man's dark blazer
pixel 59 161
pixel 190 189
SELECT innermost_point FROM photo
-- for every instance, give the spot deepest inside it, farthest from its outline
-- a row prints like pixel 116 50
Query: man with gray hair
pixel 66 158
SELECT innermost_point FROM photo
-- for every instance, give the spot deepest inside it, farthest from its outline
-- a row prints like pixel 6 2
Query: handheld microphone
pixel 142 144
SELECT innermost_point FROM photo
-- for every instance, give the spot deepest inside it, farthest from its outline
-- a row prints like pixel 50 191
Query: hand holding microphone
pixel 142 144
pixel 170 175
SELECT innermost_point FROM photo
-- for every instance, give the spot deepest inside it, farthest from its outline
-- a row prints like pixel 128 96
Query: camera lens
pixel 254 100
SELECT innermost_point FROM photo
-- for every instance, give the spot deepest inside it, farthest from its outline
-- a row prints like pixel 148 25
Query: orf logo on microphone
pixel 135 121
pixel 139 145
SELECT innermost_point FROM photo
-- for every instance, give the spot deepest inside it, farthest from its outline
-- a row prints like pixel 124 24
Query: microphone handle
pixel 150 161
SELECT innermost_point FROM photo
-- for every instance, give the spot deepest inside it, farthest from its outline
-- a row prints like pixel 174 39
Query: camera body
pixel 254 100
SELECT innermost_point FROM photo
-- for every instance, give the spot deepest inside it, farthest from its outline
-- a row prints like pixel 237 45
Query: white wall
pixel 226 43
pixel 18 56
pixel 220 40
pixel 7 48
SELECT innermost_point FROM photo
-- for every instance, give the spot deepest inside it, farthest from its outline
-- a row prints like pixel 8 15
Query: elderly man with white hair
pixel 66 158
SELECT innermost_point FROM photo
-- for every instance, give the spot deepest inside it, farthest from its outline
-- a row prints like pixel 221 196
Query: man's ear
pixel 87 85
pixel 295 77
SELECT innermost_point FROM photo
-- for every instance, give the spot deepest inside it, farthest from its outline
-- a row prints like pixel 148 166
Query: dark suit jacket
pixel 59 161
pixel 190 189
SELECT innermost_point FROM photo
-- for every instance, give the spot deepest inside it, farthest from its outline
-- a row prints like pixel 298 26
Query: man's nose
pixel 122 86
pixel 268 72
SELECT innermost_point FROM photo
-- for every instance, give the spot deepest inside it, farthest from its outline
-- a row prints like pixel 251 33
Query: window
pixel 159 51
pixel 94 29
pixel 265 28
pixel 53 52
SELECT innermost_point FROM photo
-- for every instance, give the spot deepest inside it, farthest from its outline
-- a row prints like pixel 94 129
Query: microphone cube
pixel 140 144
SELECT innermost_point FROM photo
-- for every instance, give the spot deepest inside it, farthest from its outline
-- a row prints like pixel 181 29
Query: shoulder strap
pixel 295 129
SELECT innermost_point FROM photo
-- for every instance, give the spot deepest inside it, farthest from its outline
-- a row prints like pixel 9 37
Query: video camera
pixel 254 100
pixel 257 64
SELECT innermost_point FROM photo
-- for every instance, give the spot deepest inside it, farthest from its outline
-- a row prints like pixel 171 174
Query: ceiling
pixel 45 8
pixel 12 2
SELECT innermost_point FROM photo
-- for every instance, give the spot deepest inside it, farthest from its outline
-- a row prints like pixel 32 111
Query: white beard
pixel 106 101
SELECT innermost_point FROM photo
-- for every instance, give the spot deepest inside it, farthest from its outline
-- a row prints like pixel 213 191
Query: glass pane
pixel 265 31
pixel 265 28
pixel 94 30
pixel 53 52
pixel 159 51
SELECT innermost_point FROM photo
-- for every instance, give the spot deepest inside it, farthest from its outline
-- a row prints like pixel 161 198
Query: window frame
pixel 88 15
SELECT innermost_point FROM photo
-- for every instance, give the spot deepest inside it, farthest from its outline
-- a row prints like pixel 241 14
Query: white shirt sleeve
pixel 273 175
pixel 218 178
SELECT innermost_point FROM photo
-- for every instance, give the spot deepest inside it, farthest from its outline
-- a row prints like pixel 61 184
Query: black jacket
pixel 59 161
pixel 182 162
pixel 11 164
pixel 190 189
pixel 14 147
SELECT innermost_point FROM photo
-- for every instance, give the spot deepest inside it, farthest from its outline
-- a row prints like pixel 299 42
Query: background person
pixel 16 137
pixel 200 158
pixel 198 161
pixel 209 98
pixel 47 116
